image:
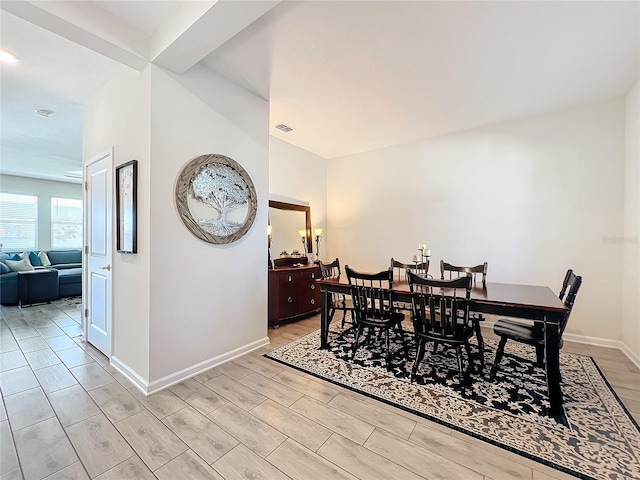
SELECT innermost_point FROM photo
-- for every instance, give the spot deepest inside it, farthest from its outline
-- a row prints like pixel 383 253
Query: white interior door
pixel 98 251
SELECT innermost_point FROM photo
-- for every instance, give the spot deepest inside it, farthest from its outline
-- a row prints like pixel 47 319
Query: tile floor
pixel 66 414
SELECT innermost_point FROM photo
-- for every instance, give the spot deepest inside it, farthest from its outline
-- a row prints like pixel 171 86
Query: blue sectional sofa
pixel 62 279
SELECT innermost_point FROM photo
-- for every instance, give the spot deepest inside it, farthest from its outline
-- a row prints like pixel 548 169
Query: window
pixel 66 223
pixel 18 222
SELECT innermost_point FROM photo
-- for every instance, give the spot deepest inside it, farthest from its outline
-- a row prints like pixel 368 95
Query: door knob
pixel 106 267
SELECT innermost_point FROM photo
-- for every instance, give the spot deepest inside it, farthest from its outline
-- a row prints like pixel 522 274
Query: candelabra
pixel 424 251
pixel 318 232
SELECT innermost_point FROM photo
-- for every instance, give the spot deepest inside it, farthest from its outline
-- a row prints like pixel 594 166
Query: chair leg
pixel 459 357
pixel 386 341
pixel 478 330
pixel 422 343
pixel 499 353
pixel 540 355
pixel 355 344
pixel 467 347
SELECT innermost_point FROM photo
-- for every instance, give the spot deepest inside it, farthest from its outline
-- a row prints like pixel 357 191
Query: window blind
pixel 18 222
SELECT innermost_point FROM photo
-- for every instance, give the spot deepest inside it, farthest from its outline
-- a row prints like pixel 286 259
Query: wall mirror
pixel 286 220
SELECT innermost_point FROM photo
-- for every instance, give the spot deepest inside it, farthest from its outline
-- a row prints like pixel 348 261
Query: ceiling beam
pixel 200 28
pixel 87 25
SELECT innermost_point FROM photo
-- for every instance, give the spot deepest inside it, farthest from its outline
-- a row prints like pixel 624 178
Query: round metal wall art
pixel 216 199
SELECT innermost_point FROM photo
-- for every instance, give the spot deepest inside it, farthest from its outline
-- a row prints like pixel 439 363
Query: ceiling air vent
pixel 284 128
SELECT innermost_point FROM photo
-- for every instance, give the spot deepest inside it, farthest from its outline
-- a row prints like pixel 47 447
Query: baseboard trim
pixel 595 342
pixel 149 388
pixel 139 382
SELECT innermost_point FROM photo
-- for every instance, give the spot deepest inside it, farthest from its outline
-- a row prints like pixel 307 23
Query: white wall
pixel 301 175
pixel 118 116
pixel 631 237
pixel 45 190
pixel 532 197
pixel 180 304
pixel 207 301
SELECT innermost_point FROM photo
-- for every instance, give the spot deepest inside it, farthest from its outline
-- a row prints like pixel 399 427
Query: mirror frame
pixel 298 208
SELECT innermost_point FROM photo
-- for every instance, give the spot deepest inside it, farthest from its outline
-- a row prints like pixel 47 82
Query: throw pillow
pixel 34 259
pixel 4 268
pixel 15 257
pixel 44 259
pixel 20 265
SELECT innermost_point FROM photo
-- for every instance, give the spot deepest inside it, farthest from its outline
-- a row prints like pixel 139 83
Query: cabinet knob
pixel 290 300
pixel 313 275
pixel 313 287
pixel 289 277
pixel 313 301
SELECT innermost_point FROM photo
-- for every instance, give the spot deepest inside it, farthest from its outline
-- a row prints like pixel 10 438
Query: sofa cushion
pixel 65 257
pixel 34 259
pixel 71 275
pixel 66 266
pixel 4 268
pixel 22 265
pixel 44 259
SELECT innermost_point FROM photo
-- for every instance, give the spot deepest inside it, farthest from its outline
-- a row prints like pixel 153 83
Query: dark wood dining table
pixel 535 303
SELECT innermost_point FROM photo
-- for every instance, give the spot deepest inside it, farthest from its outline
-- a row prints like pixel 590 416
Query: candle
pixel 415 259
pixel 427 253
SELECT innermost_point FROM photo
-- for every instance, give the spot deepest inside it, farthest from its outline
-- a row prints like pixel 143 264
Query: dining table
pixel 530 302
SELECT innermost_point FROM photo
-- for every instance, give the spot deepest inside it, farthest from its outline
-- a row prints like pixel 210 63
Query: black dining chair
pixel 441 315
pixel 400 271
pixel 337 301
pixel 372 298
pixel 454 271
pixel 533 334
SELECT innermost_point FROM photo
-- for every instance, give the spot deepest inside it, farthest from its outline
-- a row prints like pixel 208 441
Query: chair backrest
pixel 383 279
pixel 440 307
pixel 400 269
pixel 371 293
pixel 570 286
pixel 328 270
pixel 455 271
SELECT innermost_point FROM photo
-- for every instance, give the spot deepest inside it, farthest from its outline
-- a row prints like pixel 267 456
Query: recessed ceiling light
pixel 8 57
pixel 284 128
pixel 44 112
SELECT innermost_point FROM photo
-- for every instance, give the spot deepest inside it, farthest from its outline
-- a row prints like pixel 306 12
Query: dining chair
pixel 533 334
pixel 441 315
pixel 337 301
pixel 372 298
pixel 454 271
pixel 400 270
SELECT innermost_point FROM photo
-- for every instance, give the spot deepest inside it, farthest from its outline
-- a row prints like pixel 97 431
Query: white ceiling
pixel 348 76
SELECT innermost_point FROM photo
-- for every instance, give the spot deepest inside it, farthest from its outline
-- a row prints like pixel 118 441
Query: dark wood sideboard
pixel 293 293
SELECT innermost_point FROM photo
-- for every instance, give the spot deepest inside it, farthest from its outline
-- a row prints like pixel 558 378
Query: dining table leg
pixel 552 365
pixel 324 318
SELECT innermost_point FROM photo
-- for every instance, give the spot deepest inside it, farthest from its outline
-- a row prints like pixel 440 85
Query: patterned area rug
pixel 603 441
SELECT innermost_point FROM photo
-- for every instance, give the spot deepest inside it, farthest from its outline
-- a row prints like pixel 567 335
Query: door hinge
pixel 86 186
pixel 86 249
pixel 86 313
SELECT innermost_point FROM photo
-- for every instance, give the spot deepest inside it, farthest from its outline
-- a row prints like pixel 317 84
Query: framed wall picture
pixel 216 198
pixel 126 206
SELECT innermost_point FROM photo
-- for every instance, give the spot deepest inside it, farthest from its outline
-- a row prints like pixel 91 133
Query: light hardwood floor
pixel 66 414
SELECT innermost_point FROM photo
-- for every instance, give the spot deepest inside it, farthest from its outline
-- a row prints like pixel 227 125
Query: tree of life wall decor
pixel 216 199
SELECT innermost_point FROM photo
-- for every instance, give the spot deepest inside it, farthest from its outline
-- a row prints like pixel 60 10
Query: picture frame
pixel 216 199
pixel 126 207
